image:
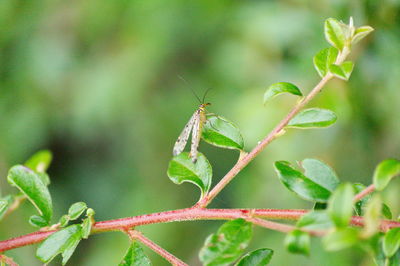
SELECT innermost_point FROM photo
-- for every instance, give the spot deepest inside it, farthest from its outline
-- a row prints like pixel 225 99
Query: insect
pixel 195 125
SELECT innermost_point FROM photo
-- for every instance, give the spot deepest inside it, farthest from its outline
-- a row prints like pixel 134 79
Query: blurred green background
pixel 97 82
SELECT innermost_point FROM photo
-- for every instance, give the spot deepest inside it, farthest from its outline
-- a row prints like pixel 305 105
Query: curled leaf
pixel 182 169
pixel 220 132
pixel 281 87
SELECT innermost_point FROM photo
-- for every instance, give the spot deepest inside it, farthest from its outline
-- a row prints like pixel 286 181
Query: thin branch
pixel 16 203
pixel 276 132
pixel 284 228
pixel 189 214
pixel 365 192
pixel 7 260
pixel 261 146
pixel 136 235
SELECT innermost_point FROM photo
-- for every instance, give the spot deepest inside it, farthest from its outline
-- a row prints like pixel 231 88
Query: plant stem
pixel 189 214
pixel 261 146
pixel 364 193
pixel 133 234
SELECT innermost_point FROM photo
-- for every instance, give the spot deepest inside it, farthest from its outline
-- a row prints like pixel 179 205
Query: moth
pixel 195 125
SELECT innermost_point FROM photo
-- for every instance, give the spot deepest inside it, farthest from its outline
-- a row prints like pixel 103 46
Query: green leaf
pixel 313 117
pixel 320 206
pixel 226 246
pixel 5 203
pixel 40 161
pixel 320 173
pixel 259 257
pixel 391 242
pixel 76 210
pixel 44 177
pixel 334 33
pixel 220 132
pixel 38 221
pixel 63 220
pixel 298 241
pixel 135 256
pixel 298 183
pixel 63 241
pixel 360 33
pixel 323 59
pixel 340 239
pixel 28 182
pixel 387 213
pixel 372 216
pixel 384 172
pixel 315 220
pixel 340 206
pixel 182 169
pixel 86 227
pixel 342 71
pixel 281 87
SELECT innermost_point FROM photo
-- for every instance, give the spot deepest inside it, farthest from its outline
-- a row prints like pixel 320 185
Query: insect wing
pixel 196 134
pixel 184 136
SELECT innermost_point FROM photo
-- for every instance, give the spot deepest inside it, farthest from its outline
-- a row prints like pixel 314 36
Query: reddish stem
pixel 365 192
pixel 159 250
pixel 189 214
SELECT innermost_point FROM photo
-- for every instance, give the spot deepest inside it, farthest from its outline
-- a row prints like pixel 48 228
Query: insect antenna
pixel 205 94
pixel 194 93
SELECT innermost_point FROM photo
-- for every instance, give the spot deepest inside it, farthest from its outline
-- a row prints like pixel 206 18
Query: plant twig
pixel 284 228
pixel 136 235
pixel 15 204
pixel 260 147
pixel 365 192
pixel 189 214
pixel 7 260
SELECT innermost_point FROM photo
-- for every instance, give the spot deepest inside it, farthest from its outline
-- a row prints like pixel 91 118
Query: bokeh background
pixel 97 83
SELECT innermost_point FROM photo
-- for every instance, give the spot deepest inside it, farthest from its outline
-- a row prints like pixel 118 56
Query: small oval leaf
pixel 315 220
pixel 298 242
pixel 29 183
pixel 340 206
pixel 340 239
pixel 220 132
pixel 37 221
pixel 76 210
pixel 384 172
pixel 334 33
pixel 259 257
pixel 342 71
pixel 226 246
pixel 182 169
pixel 40 161
pixel 313 117
pixel 323 59
pixel 135 256
pixel 320 173
pixel 298 183
pixel 391 242
pixel 281 87
pixel 63 241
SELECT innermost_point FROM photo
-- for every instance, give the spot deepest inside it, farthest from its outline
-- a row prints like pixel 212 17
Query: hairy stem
pixel 136 235
pixel 189 214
